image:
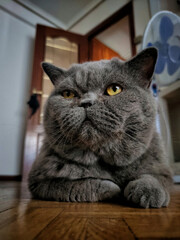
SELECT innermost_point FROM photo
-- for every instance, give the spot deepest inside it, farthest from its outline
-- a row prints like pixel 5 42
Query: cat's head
pixel 95 103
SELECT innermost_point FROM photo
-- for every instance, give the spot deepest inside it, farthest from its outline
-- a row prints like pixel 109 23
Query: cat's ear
pixel 143 65
pixel 54 73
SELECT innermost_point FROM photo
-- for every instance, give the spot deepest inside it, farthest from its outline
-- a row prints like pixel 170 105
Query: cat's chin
pixel 88 136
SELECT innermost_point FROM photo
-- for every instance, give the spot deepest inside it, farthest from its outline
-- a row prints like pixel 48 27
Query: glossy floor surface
pixel 23 218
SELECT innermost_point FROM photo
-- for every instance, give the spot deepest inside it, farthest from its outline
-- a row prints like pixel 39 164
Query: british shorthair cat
pixel 100 135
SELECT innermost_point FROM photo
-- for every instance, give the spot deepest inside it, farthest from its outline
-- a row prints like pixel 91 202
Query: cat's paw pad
pixel 147 193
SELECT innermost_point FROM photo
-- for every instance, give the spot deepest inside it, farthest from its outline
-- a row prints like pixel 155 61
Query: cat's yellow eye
pixel 68 94
pixel 113 89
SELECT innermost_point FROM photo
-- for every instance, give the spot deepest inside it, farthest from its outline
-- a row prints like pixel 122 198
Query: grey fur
pixel 117 151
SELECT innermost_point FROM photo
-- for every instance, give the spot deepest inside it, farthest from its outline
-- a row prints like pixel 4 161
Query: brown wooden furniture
pixel 100 51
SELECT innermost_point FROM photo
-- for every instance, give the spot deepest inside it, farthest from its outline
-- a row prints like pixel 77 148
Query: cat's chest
pixel 82 164
pixel 79 156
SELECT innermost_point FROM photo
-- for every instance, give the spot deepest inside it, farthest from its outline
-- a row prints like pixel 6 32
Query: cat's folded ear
pixel 54 73
pixel 143 65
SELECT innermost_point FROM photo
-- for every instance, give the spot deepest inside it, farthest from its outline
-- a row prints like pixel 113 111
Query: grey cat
pixel 100 135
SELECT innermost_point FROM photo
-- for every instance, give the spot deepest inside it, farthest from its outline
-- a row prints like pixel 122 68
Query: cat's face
pixel 99 102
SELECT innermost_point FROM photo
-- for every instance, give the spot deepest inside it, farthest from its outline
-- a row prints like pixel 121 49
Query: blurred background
pixel 63 32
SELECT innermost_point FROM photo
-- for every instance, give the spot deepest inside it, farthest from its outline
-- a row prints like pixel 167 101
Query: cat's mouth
pixel 87 121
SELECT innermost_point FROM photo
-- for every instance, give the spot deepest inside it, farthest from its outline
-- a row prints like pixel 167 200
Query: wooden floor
pixel 23 218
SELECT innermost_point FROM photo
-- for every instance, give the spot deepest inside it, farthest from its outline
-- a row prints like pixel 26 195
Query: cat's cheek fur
pixel 147 192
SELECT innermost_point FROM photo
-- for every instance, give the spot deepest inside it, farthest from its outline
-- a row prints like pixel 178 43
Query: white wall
pixel 16 48
pixel 16 57
pixel 141 18
pixel 160 5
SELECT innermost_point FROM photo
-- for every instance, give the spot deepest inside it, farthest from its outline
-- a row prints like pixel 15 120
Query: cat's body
pixel 98 146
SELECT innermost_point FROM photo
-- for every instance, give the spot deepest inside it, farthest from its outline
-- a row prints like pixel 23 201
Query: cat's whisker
pixel 138 141
pixel 67 132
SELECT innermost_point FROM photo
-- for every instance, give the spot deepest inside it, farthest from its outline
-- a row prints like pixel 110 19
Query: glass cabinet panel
pixel 62 53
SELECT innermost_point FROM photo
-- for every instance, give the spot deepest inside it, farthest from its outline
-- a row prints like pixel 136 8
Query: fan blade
pixel 172 67
pixel 165 29
pixel 160 64
pixel 174 54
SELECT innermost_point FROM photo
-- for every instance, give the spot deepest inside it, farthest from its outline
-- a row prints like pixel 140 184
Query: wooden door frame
pixel 127 10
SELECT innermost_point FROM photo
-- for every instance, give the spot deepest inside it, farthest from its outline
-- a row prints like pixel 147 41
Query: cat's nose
pixel 88 99
pixel 86 104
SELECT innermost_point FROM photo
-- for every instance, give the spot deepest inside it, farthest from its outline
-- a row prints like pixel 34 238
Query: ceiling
pixel 62 13
pixel 80 16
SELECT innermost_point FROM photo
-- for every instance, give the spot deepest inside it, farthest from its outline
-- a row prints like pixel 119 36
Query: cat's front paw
pixel 94 190
pixel 108 190
pixel 147 192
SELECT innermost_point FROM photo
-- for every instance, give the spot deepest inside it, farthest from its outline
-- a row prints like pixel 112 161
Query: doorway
pixel 114 37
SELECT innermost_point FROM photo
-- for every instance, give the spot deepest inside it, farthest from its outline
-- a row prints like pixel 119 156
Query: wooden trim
pixel 127 10
pixel 37 73
pixel 38 57
pixel 121 13
pixel 105 51
pixel 11 178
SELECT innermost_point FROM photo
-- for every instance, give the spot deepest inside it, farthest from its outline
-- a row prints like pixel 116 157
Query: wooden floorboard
pixel 26 219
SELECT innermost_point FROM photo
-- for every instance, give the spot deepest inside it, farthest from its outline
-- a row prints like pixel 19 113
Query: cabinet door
pixel 60 48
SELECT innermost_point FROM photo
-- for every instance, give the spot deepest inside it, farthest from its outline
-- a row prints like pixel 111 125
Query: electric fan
pixel 163 32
